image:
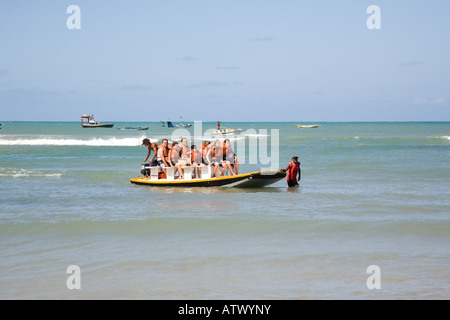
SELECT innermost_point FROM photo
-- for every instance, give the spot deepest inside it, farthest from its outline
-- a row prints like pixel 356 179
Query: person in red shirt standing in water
pixel 293 169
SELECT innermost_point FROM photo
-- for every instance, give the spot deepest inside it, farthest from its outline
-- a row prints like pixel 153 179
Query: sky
pixel 247 60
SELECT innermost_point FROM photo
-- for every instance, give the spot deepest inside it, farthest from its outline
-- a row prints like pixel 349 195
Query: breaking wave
pixel 95 142
pixel 109 142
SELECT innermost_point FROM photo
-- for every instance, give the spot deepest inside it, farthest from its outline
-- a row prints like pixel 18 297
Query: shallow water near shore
pixel 370 194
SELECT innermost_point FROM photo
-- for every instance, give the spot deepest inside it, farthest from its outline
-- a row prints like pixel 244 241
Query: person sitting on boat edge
pixel 151 147
pixel 215 155
pixel 185 154
pixel 174 159
pixel 163 154
pixel 196 159
pixel 206 145
pixel 293 169
pixel 184 148
pixel 228 158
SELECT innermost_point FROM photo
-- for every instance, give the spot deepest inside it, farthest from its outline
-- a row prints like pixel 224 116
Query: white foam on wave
pixel 95 142
pixel 256 135
pixel 111 141
pixel 445 137
pixel 20 173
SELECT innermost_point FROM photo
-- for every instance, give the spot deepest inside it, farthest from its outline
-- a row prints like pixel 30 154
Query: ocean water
pixel 371 194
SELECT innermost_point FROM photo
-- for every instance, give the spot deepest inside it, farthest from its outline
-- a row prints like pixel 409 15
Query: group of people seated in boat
pixel 218 155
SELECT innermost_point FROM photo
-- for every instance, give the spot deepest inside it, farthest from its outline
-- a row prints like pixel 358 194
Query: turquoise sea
pixel 371 194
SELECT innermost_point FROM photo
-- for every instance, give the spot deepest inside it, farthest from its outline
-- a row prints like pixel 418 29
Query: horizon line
pixel 214 121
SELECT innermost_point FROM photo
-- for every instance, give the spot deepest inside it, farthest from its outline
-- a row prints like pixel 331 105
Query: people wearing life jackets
pixel 219 155
pixel 293 170
pixel 163 154
pixel 206 146
pixel 216 156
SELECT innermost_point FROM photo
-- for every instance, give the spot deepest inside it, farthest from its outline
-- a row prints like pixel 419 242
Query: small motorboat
pixel 226 131
pixel 91 123
pixel 247 180
pixel 181 125
pixel 184 125
pixel 308 126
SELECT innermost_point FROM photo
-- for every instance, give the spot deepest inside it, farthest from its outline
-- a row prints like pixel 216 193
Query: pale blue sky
pixel 228 60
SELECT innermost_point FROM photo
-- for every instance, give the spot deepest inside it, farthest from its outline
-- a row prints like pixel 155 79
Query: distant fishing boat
pixel 308 126
pixel 91 123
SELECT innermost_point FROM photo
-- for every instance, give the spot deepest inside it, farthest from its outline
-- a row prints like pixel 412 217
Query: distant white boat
pixel 308 126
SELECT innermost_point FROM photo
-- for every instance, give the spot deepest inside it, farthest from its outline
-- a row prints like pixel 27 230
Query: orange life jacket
pixel 293 171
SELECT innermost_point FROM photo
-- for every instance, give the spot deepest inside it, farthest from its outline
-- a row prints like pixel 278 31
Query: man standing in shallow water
pixel 293 169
